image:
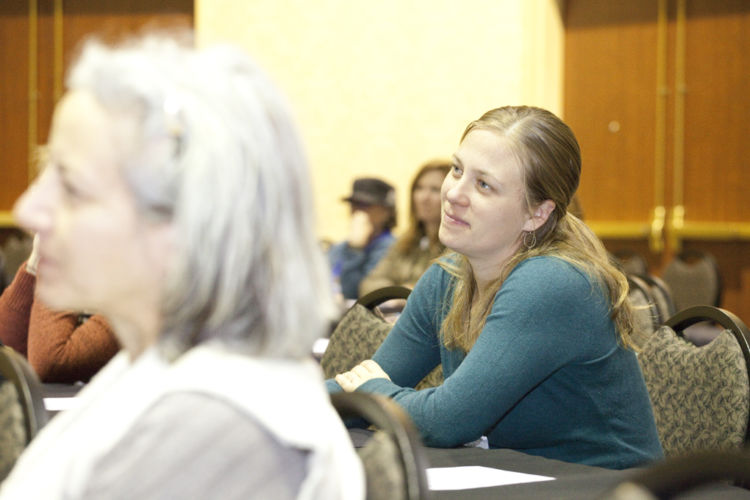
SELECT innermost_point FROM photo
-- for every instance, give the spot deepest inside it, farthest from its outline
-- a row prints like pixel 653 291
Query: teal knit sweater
pixel 546 376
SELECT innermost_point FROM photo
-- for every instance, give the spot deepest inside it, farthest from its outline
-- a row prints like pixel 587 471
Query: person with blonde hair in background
pixel 176 203
pixel 530 321
pixel 412 253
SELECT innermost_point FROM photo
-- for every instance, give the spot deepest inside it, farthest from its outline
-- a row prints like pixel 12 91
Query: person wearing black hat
pixel 373 209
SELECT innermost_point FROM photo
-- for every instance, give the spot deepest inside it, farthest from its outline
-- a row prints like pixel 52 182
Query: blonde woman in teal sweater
pixel 530 321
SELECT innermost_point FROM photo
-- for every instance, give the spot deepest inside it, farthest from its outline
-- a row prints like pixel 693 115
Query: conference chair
pixel 22 412
pixel 16 250
pixel 678 475
pixel 662 296
pixel 629 261
pixel 693 276
pixel 360 332
pixel 700 394
pixel 392 458
pixel 646 312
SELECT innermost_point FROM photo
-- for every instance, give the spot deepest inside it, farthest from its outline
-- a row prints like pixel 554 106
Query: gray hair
pixel 216 153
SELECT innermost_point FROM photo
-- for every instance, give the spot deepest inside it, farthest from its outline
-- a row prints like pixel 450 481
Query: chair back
pixel 629 261
pixel 674 476
pixel 662 296
pixel 16 250
pixel 360 332
pixel 22 412
pixel 693 276
pixel 700 395
pixel 393 457
pixel 647 314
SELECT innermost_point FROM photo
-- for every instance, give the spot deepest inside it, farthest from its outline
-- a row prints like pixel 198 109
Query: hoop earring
pixel 529 240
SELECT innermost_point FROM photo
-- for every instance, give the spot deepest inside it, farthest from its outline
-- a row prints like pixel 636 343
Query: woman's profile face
pixel 484 208
pixel 95 252
pixel 426 197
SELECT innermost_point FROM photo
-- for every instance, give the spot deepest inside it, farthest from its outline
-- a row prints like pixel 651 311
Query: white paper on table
pixel 319 347
pixel 60 404
pixel 475 476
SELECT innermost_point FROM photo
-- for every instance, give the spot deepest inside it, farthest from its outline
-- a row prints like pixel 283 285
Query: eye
pixel 483 185
pixel 456 170
pixel 70 190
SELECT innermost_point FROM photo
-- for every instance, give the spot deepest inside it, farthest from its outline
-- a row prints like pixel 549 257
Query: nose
pixel 33 210
pixel 454 191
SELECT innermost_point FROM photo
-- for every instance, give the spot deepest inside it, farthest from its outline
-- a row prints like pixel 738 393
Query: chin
pixel 57 297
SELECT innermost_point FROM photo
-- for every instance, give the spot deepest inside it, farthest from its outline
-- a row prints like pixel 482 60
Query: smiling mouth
pixel 455 220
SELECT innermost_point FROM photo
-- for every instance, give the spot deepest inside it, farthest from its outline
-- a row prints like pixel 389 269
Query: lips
pixel 453 219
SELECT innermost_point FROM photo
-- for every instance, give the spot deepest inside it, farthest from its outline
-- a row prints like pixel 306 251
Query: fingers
pixel 345 381
pixel 366 370
pixel 372 369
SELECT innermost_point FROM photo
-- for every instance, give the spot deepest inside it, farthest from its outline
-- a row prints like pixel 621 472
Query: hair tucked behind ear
pixel 549 155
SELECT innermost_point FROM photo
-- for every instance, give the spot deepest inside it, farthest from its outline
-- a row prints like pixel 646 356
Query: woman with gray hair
pixel 176 203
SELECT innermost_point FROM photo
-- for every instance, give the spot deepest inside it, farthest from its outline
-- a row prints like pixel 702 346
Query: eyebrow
pixel 479 171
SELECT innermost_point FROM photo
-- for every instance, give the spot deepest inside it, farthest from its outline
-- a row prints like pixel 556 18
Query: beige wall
pixel 380 87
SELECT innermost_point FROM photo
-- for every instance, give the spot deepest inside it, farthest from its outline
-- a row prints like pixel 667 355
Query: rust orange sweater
pixel 58 346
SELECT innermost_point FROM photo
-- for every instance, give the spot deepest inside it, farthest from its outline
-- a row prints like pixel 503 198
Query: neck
pixel 487 270
pixel 136 332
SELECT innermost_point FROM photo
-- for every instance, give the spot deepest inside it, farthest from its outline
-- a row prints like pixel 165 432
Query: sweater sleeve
pixel 412 348
pixel 15 309
pixel 63 350
pixel 529 334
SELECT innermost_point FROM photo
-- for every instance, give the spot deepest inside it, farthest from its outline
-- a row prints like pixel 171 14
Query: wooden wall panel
pixel 60 27
pixel 717 111
pixel 610 86
pixel 611 71
pixel 14 95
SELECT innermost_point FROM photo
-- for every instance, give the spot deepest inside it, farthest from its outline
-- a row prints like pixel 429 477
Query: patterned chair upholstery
pixel 13 436
pixel 646 312
pixel 392 458
pixel 357 336
pixel 700 395
pixel 22 412
pixel 662 295
pixel 693 276
pixel 360 332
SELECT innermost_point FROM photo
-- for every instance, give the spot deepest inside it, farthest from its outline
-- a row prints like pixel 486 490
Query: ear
pixel 540 215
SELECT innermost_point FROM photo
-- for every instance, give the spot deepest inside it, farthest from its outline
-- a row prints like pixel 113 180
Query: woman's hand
pixel 33 260
pixel 366 370
pixel 360 230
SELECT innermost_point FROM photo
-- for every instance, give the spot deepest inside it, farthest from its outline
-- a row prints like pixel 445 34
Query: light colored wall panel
pixel 380 87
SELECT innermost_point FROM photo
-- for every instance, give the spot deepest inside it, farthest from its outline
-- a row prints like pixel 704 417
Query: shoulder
pixel 435 277
pixel 552 283
pixel 180 448
pixel 552 272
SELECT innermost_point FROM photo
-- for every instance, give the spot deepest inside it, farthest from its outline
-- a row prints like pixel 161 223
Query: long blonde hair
pixel 549 154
